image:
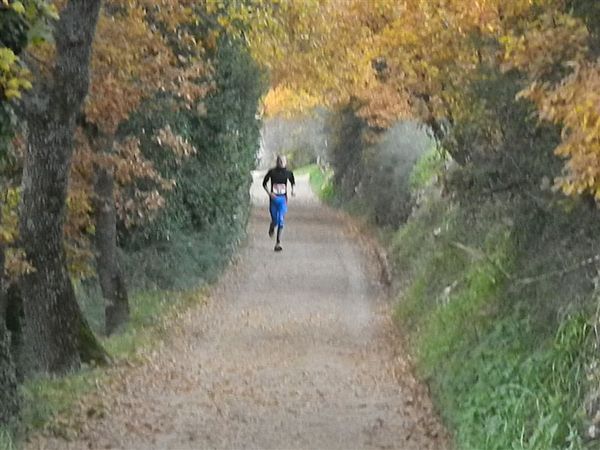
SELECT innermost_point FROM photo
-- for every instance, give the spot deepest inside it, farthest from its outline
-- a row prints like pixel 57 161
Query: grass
pixel 49 402
pixel 319 179
pixel 499 379
pixel 305 170
pixel 426 168
pixel 6 440
pixel 516 396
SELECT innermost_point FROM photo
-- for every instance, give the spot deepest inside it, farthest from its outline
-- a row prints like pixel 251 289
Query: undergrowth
pixel 426 168
pixel 49 401
pixel 501 381
pixel 320 181
pixel 6 440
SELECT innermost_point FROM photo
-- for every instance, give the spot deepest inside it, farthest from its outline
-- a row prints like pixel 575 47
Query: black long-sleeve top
pixel 279 177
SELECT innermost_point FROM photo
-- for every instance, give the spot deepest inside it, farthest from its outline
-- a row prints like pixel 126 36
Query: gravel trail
pixel 294 350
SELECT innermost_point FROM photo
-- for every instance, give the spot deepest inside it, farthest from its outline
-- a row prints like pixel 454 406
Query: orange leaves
pixel 178 145
pixel 285 102
pixel 564 84
pixel 190 84
pixel 141 48
pixel 15 263
pixel 133 59
pixel 382 105
pixel 128 64
pixel 575 105
pixel 134 205
pixel 552 39
pixel 398 57
pixel 129 163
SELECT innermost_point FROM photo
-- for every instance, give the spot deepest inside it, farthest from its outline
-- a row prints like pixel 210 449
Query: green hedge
pixel 206 214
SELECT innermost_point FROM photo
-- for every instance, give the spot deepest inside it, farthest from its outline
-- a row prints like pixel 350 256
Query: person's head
pixel 281 161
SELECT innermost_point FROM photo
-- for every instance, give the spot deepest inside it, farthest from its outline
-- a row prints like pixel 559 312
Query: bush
pixel 491 290
pixel 507 362
pixel 207 211
pixel 372 173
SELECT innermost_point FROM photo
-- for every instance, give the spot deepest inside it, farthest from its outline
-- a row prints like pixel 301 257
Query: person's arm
pixel 293 183
pixel 264 184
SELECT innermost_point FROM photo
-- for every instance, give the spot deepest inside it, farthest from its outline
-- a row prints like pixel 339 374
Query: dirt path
pixel 294 350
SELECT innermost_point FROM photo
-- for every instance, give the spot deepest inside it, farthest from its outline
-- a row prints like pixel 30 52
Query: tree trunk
pixel 107 264
pixel 56 328
pixel 9 398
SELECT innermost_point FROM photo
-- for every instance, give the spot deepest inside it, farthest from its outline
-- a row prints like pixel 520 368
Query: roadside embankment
pixel 497 303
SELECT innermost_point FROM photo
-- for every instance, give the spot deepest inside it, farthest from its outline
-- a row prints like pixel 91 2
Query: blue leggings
pixel 278 208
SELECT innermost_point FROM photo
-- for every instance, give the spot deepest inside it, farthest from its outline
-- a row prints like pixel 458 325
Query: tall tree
pixel 9 400
pixel 132 61
pixel 56 329
pixel 18 24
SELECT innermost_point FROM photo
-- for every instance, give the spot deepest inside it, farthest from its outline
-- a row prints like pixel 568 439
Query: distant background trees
pixel 302 139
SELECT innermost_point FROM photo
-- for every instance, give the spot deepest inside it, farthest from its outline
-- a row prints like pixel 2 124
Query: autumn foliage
pixel 563 81
pixel 414 59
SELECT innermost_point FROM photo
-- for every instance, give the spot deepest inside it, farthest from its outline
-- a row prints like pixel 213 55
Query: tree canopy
pixel 419 60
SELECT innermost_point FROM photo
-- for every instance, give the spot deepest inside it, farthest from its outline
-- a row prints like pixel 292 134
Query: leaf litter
pixel 294 350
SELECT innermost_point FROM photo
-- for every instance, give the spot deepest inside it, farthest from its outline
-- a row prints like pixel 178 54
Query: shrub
pixel 206 213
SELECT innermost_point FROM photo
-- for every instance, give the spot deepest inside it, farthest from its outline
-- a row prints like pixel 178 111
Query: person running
pixel 279 177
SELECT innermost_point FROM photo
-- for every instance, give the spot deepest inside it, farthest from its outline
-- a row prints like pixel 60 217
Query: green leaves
pixel 7 59
pixel 18 7
pixel 28 24
pixel 13 76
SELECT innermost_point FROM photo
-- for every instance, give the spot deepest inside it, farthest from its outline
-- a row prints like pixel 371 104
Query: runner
pixel 279 177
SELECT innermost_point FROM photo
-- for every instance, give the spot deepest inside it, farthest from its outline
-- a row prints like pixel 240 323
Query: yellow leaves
pixel 18 7
pixel 553 38
pixel 574 105
pixel 15 263
pixel 7 59
pixel 9 222
pixel 564 85
pixel 318 48
pixel 286 102
pixel 13 77
pixel 78 228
